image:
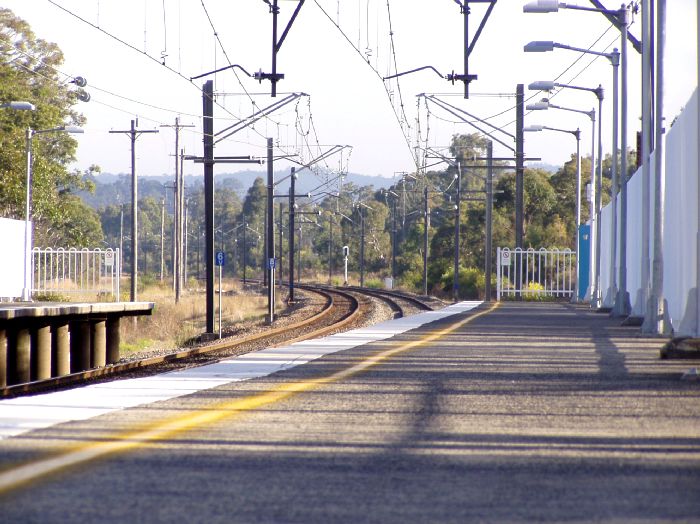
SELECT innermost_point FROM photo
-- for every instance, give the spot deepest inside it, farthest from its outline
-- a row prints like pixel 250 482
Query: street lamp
pixel 620 19
pixel 597 183
pixel 577 135
pixel 614 57
pixel 543 105
pixel 26 287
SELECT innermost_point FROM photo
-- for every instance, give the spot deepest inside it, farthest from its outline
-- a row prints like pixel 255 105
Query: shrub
pixel 374 283
pixel 471 282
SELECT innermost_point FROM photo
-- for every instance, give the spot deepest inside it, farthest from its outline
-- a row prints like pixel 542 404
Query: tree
pixel 28 71
pixel 253 213
pixel 539 200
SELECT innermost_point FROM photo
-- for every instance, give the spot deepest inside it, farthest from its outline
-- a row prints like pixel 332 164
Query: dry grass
pixel 174 325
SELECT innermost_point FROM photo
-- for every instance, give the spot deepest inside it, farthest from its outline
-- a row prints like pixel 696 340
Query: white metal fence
pixel 77 272
pixel 534 274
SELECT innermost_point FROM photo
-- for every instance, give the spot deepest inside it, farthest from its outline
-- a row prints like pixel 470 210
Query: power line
pixel 347 39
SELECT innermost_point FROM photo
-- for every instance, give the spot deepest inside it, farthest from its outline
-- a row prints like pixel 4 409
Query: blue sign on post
pixel 220 258
pixel 272 263
pixel 584 260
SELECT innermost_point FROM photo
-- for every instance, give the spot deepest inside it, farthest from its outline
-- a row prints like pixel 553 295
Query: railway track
pixel 343 309
pixel 397 301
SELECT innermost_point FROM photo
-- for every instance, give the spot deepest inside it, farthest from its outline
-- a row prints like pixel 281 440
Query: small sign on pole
pixel 220 258
pixel 505 258
pixel 109 258
pixel 272 263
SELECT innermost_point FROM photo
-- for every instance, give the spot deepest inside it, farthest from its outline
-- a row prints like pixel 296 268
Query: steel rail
pixel 393 295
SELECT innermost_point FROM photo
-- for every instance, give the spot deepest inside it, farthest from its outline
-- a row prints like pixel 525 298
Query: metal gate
pixel 87 273
pixel 535 274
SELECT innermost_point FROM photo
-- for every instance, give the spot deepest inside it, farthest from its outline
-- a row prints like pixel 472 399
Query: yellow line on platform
pixel 161 430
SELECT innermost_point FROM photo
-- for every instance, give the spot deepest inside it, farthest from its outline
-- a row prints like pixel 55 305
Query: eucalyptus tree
pixel 29 70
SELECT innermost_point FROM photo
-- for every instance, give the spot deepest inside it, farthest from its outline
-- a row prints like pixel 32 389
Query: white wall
pixel 680 227
pixel 681 220
pixel 12 258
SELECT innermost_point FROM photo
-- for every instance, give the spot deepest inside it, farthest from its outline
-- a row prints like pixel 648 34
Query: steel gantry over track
pixel 274 76
pixel 466 77
pixel 210 139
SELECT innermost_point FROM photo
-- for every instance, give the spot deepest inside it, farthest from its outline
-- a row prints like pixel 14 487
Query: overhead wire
pixel 144 53
pixel 169 68
pixel 379 75
pixel 577 60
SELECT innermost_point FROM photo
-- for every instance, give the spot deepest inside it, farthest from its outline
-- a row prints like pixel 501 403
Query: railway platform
pixel 41 340
pixel 510 412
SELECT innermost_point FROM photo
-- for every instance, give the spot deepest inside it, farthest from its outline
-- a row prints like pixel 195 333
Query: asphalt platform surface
pixel 527 412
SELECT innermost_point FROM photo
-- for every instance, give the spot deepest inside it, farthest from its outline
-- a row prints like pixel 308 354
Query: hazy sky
pixel 349 103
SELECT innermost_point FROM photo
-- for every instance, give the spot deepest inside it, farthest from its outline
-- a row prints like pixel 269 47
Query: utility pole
pixel 519 181
pixel 178 264
pixel 301 240
pixel 489 225
pixel 270 235
pixel 292 213
pixel 121 237
pixel 362 249
pixel 519 164
pixel 426 223
pixel 281 247
pixel 208 131
pixel 133 135
pixel 162 238
pixel 393 242
pixel 330 248
pixel 458 215
pixel 185 260
pixel 245 254
pixel 622 301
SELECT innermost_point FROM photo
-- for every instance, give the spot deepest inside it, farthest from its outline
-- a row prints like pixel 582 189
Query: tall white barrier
pixel 681 220
pixel 12 259
pixel 680 228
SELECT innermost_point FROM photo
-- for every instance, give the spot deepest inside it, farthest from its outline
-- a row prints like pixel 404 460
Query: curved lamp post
pixel 543 105
pixel 597 183
pixel 577 135
pixel 620 18
pixel 26 286
pixel 614 57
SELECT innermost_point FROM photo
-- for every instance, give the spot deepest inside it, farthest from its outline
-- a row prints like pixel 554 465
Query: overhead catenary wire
pixel 132 47
pixel 379 75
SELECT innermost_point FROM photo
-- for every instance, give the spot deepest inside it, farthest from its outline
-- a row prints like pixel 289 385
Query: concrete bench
pixel 39 341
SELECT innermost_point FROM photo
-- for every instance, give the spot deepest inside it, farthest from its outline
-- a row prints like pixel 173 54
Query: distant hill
pixel 116 188
pixel 542 165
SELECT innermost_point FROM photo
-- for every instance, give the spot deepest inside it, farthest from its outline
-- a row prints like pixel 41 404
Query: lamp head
pixel 533 128
pixel 542 85
pixel 20 106
pixel 542 6
pixel 539 46
pixel 538 106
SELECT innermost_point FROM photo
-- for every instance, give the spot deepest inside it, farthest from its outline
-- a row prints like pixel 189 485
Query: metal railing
pixel 533 274
pixel 84 272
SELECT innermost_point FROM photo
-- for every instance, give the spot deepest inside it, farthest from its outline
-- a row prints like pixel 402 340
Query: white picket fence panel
pixel 530 273
pixel 77 272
